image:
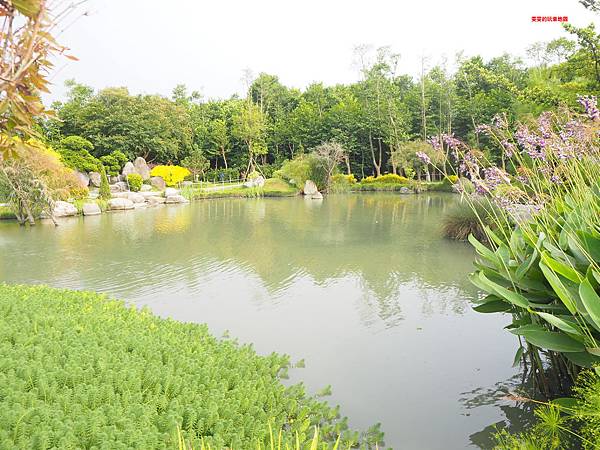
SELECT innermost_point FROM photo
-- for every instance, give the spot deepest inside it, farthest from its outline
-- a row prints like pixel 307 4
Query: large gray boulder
pixel 171 192
pixel 176 199
pixel 120 186
pixel 405 190
pixel 148 194
pixel 95 179
pixel 136 197
pixel 141 167
pixel 152 201
pixel 120 203
pixel 310 188
pixel 255 182
pixel 129 168
pixel 82 178
pixel 158 183
pixel 64 209
pixel 91 209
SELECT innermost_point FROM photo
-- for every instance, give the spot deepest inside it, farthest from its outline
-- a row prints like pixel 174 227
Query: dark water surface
pixel 363 288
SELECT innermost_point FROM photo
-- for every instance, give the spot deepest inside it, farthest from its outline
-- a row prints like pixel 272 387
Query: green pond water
pixel 363 287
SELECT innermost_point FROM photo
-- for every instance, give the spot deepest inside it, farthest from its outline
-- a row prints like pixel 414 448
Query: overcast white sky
pixel 152 45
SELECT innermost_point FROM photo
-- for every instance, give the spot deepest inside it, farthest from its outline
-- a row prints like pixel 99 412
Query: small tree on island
pixel 196 163
pixel 329 155
pixel 104 193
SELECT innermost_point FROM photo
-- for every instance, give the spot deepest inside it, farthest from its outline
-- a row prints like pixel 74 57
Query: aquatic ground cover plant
pixel 80 370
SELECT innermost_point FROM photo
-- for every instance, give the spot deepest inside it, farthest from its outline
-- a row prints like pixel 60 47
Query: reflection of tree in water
pixel 518 414
pixel 391 244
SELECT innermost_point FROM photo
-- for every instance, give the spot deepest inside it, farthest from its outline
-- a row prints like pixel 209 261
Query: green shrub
pixel 135 181
pixel 301 168
pixel 341 183
pixel 104 192
pixel 82 371
pixel 340 178
pixel 79 192
pixel 268 169
pixel 446 185
pixel 388 178
pixel 114 162
pixel 75 153
pixel 6 213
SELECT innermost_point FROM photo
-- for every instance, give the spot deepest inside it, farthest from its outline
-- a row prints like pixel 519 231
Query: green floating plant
pixel 79 370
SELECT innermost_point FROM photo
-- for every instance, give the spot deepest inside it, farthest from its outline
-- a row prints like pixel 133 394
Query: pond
pixel 364 288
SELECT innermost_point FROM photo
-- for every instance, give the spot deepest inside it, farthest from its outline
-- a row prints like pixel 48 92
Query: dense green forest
pixel 381 120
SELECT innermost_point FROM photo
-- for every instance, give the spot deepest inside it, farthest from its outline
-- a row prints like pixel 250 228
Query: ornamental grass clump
pixel 542 263
pixel 79 370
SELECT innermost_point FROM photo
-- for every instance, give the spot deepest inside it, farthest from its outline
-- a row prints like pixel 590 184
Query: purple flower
pixel 589 103
pixel 480 187
pixel 555 179
pixel 545 125
pixel 509 148
pixel 495 176
pixel 435 142
pixel 499 121
pixel 484 129
pixel 424 157
pixel 451 141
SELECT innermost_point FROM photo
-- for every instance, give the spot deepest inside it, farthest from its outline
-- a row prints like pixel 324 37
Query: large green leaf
pixel 514 297
pixel 583 359
pixel 591 244
pixel 493 306
pixel 518 356
pixel 484 251
pixel 526 265
pixel 591 300
pixel 559 287
pixel 568 327
pixel 559 267
pixel 555 341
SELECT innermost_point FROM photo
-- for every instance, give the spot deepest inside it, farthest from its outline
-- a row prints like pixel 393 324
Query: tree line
pixel 381 121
